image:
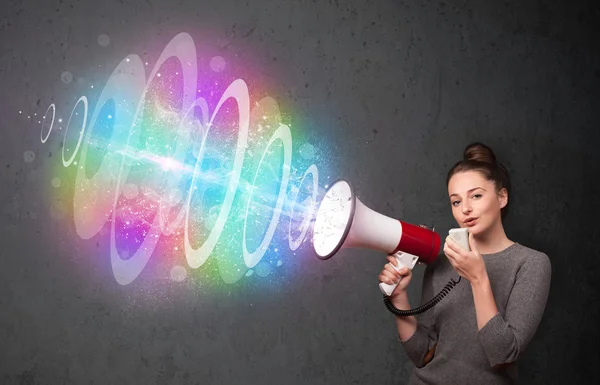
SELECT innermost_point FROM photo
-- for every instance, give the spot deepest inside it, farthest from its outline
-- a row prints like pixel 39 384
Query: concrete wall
pixel 387 93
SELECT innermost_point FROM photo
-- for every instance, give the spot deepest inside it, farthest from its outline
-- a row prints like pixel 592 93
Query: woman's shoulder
pixel 531 258
pixel 530 253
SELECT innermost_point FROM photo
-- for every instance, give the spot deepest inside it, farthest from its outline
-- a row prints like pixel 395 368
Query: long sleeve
pixel 423 339
pixel 505 337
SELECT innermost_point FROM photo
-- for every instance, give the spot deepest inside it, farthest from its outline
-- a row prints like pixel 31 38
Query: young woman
pixel 476 334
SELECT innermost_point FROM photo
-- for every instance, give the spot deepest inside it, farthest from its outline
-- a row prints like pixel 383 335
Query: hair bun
pixel 479 152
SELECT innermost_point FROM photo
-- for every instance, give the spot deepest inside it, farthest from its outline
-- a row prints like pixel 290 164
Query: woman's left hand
pixel 468 264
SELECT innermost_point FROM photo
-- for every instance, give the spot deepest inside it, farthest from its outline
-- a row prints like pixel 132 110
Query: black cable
pixel 423 308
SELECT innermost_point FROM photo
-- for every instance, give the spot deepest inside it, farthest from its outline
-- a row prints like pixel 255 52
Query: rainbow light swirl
pixel 167 173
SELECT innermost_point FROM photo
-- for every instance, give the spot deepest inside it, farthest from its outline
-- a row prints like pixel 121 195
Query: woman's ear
pixel 503 198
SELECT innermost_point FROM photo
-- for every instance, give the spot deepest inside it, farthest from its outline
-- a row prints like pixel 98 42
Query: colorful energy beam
pixel 151 160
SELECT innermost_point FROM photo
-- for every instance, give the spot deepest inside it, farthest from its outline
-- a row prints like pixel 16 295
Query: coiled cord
pixel 423 308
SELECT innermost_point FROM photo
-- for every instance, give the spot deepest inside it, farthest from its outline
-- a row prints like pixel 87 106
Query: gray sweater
pixel 520 281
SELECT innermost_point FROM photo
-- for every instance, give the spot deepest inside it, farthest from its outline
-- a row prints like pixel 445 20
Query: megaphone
pixel 343 221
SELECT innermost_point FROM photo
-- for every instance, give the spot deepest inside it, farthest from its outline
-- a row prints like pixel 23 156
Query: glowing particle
pixel 217 64
pixel 28 156
pixel 279 263
pixel 56 182
pixel 307 151
pixel 103 40
pixel 66 77
pixel 263 269
pixel 178 273
pixel 130 191
pixel 211 219
pixel 249 273
pixel 168 164
pixel 175 196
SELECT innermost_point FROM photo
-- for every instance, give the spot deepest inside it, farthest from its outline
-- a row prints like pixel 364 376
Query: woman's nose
pixel 466 208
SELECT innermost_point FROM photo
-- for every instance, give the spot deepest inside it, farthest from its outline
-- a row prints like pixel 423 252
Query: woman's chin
pixel 474 229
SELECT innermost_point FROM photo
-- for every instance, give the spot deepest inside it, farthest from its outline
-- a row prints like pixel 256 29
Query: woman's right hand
pixel 390 276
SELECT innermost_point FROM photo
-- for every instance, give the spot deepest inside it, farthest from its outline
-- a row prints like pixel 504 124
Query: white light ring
pixel 169 228
pixel 129 88
pixel 282 133
pixel 67 163
pixel 51 124
pixel 126 271
pixel 239 91
pixel 306 222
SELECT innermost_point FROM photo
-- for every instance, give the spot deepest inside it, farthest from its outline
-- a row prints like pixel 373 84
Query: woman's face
pixel 474 201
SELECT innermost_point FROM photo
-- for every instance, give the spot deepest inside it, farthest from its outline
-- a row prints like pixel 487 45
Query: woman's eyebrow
pixel 473 189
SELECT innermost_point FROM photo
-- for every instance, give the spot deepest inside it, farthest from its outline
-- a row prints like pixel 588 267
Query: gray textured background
pixel 396 89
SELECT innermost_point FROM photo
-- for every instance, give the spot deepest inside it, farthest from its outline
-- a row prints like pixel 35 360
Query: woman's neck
pixel 494 240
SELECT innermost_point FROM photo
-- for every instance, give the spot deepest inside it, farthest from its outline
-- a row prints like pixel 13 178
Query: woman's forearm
pixel 406 325
pixel 485 304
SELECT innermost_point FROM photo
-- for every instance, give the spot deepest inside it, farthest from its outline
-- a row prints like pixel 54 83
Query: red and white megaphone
pixel 343 221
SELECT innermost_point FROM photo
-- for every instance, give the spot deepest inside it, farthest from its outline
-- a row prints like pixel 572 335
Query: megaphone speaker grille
pixel 333 220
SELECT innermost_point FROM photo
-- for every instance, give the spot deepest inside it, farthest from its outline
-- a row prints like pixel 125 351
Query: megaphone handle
pixel 404 260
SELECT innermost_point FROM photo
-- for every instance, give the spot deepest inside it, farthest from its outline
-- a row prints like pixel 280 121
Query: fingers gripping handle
pixel 404 260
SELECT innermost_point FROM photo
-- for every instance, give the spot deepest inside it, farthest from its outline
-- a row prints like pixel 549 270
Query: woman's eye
pixel 453 203
pixel 476 195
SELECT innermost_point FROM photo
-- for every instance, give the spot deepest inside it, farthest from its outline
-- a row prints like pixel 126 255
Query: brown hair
pixel 479 157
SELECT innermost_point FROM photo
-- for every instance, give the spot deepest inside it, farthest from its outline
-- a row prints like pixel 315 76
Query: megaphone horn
pixel 343 221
